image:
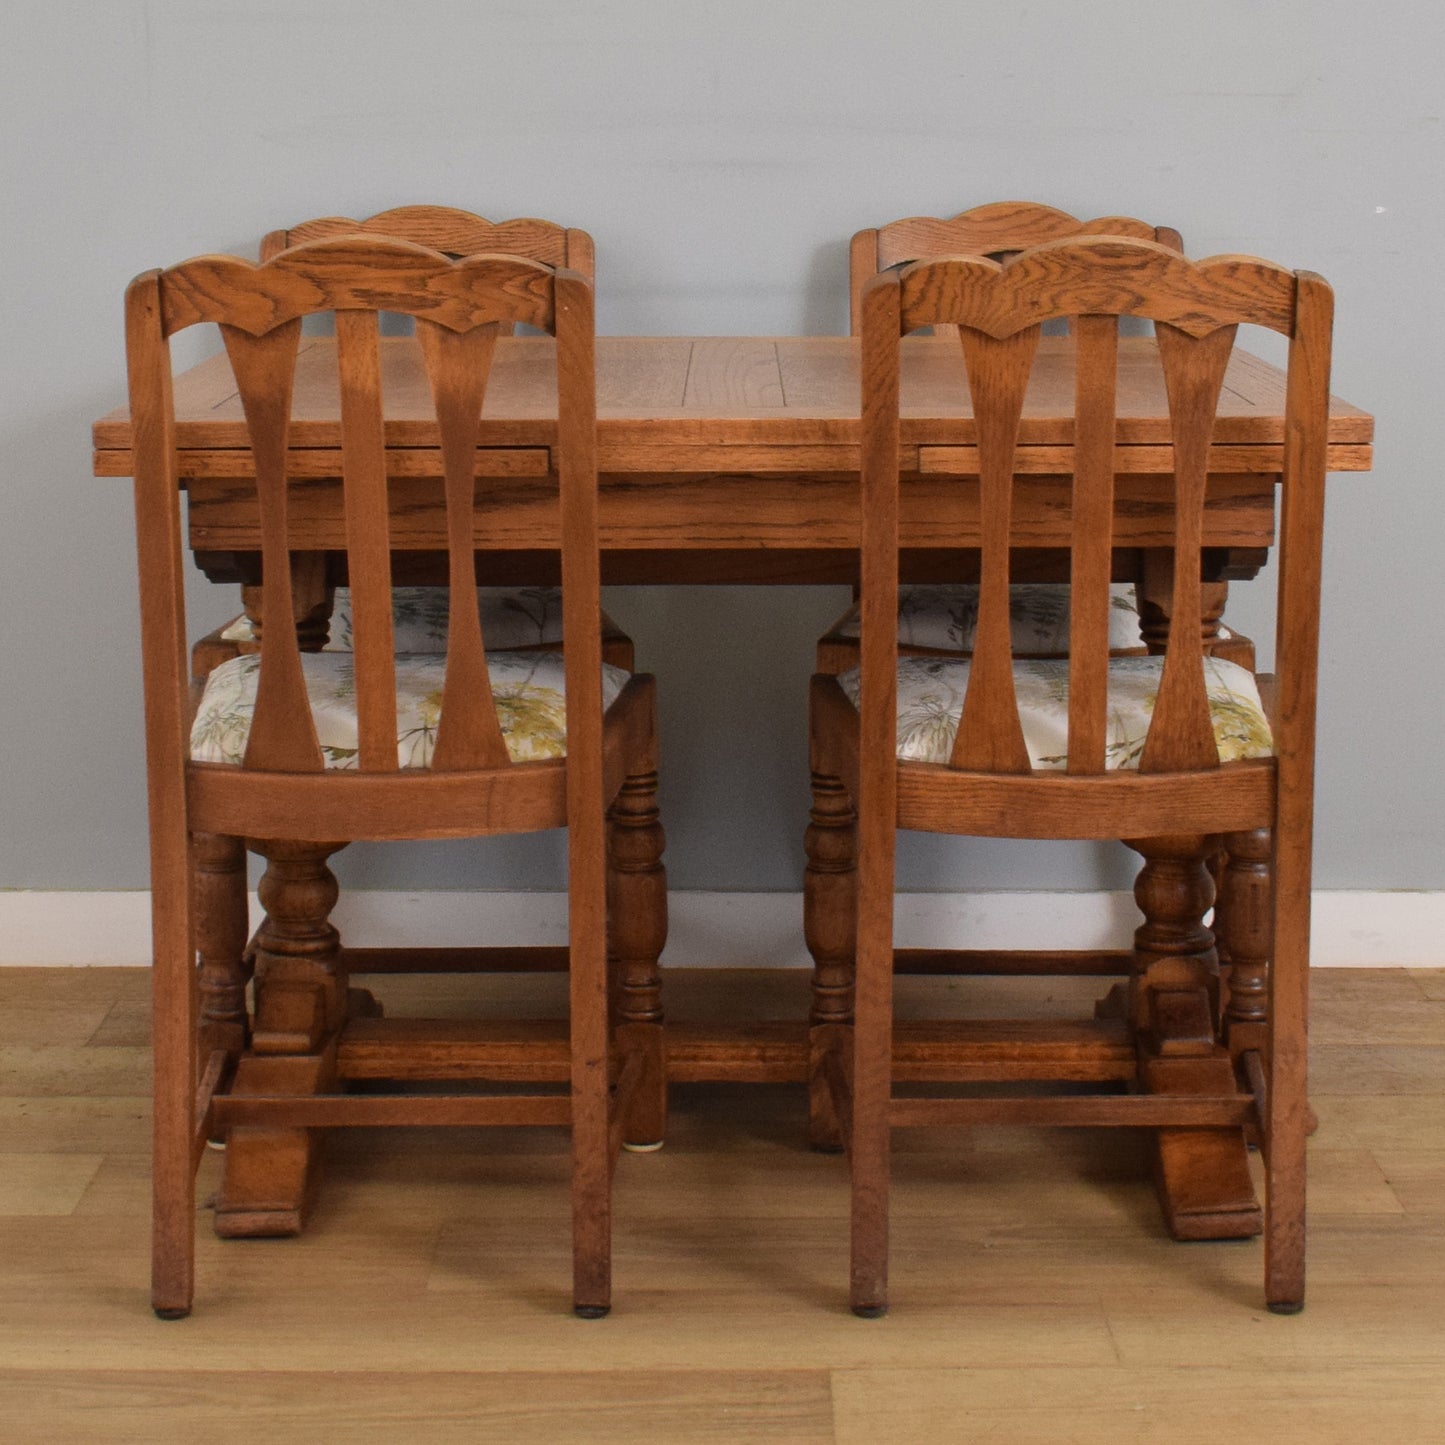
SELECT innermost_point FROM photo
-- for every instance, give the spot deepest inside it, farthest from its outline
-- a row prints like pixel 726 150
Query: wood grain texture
pixel 1172 809
pixel 642 384
pixel 1041 1301
pixel 1100 276
pixel 454 232
pixel 356 273
pixel 997 229
pixel 281 798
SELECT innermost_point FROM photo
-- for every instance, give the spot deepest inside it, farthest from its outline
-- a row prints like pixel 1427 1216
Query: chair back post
pixel 174 1001
pixel 581 584
pixel 575 328
pixel 883 326
pixel 877 785
pixel 160 546
pixel 1307 405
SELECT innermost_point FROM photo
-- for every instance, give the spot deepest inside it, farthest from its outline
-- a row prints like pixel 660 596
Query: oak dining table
pixel 735 460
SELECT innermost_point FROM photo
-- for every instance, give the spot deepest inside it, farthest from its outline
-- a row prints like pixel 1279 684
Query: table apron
pixel 710 512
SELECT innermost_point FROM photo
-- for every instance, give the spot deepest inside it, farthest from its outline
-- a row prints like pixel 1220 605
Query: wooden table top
pixel 787 403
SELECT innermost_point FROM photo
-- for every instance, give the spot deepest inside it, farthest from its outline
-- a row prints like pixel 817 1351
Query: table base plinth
pixel 1202 1175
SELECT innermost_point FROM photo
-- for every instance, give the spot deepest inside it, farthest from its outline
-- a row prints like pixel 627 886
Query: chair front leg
pixel 830 913
pixel 637 928
pixel 218 883
pixel 1245 893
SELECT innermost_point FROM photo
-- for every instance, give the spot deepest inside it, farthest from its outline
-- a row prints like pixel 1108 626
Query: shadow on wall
pixel 825 292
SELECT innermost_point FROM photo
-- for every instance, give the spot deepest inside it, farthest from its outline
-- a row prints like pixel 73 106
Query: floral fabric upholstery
pixel 511 617
pixel 945 617
pixel 931 691
pixel 529 689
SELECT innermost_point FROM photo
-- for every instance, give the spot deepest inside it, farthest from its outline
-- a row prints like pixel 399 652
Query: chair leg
pixel 1287 1120
pixel 871 1096
pixel 222 932
pixel 637 928
pixel 1243 920
pixel 301 1006
pixel 871 1134
pixel 591 1193
pixel 1218 864
pixel 173 1031
pixel 830 909
pixel 1246 892
pixel 591 1092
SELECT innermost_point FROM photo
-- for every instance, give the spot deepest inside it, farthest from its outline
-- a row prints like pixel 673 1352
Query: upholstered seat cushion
pixel 945 616
pixel 511 617
pixel 529 688
pixel 931 692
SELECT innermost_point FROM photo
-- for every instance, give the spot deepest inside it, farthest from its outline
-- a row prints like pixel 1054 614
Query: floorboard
pixel 1036 1296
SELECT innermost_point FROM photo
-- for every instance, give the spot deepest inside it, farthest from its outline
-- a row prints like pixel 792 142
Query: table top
pixel 674 403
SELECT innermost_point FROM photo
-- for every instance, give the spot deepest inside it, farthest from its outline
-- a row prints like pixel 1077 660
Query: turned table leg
pixel 1156 603
pixel 1203 1177
pixel 830 927
pixel 637 927
pixel 312 599
pixel 301 1005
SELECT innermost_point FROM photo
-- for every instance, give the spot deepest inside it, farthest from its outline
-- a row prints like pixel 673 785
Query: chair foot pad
pixel 870 1312
pixel 590 1312
pixel 643 1148
pixel 172 1314
pixel 1286 1307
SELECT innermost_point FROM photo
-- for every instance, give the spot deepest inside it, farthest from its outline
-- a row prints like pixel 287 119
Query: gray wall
pixel 721 154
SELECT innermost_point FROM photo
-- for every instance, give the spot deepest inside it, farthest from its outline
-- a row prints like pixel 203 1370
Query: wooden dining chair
pixel 1169 754
pixel 940 617
pixel 455 233
pixel 285 747
pixel 514 618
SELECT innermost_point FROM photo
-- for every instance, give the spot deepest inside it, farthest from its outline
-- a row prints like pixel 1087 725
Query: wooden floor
pixel 1035 1296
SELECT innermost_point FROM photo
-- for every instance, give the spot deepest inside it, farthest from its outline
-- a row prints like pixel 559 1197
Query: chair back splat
pixel 1212 760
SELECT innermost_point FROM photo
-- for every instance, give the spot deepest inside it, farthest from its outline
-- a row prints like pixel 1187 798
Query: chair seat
pixel 511 617
pixel 944 616
pixel 529 688
pixel 931 692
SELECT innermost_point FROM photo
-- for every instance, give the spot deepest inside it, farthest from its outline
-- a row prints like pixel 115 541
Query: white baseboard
pixel 736 930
